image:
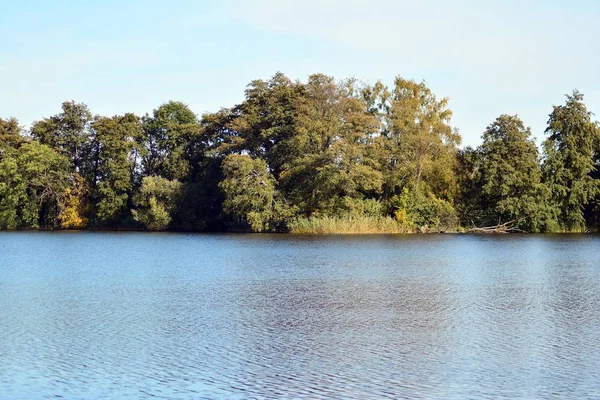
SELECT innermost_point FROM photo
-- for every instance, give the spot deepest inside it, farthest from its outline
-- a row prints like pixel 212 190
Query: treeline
pixel 321 156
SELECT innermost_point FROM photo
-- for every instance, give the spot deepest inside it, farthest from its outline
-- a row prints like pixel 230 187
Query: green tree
pixel 568 165
pixel 510 176
pixel 33 180
pixel 468 174
pixel 265 121
pixel 168 135
pixel 424 212
pixel 418 150
pixel 68 133
pixel 156 201
pixel 306 153
pixel 249 190
pixel 594 207
pixel 114 143
pixel 419 143
pixel 200 204
pixel 334 155
pixel 10 134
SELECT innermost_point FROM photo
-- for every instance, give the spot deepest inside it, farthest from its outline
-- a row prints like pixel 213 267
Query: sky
pixel 488 57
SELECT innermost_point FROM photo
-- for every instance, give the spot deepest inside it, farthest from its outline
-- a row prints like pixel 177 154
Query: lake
pixel 139 315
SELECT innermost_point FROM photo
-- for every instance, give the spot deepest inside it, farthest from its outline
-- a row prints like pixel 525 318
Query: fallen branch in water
pixel 500 228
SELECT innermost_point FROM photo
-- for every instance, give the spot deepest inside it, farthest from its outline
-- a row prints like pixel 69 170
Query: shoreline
pixel 234 232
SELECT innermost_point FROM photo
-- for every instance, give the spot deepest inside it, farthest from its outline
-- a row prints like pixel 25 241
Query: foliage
pixel 317 156
pixel 510 175
pixel 75 204
pixel 418 141
pixel 10 134
pixel 114 140
pixel 249 191
pixel 469 195
pixel 354 207
pixel 334 133
pixel 264 124
pixel 569 155
pixel 166 139
pixel 32 182
pixel 67 132
pixel 156 202
pixel 200 204
pixel 415 210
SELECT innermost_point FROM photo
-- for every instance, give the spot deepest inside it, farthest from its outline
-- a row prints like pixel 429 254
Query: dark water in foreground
pixel 86 315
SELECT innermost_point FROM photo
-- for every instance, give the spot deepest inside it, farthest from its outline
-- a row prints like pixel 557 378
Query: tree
pixel 569 161
pixel 113 144
pixel 333 156
pixel 68 133
pixel 419 143
pixel 264 122
pixel 200 204
pixel 168 134
pixel 76 205
pixel 33 179
pixel 156 201
pixel 468 175
pixel 594 207
pixel 300 151
pixel 249 190
pixel 10 134
pixel 510 176
pixel 417 149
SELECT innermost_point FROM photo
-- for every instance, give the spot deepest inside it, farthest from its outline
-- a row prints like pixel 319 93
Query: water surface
pixel 127 315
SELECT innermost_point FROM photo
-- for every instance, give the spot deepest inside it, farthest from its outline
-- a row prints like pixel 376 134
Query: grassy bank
pixel 346 225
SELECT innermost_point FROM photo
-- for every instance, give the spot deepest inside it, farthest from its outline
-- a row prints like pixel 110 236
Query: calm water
pixel 85 315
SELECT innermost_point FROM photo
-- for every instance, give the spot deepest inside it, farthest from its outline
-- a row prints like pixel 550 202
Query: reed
pixel 345 225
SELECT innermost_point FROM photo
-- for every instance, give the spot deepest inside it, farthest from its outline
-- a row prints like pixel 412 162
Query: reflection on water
pixel 127 315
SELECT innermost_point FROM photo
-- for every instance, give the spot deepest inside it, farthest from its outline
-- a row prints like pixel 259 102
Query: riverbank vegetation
pixel 321 156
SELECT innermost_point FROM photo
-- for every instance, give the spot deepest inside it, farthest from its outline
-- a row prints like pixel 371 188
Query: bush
pixel 360 207
pixel 415 210
pixel 156 202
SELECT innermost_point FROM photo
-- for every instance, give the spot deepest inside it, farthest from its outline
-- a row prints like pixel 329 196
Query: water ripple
pixel 198 316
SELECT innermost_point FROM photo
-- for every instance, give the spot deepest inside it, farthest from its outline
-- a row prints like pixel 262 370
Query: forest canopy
pixel 321 156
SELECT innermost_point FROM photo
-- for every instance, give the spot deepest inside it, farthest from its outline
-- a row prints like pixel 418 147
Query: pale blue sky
pixel 488 57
